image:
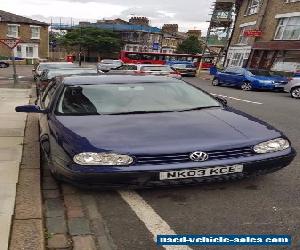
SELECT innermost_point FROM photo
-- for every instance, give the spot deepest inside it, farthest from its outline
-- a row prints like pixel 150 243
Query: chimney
pixel 139 21
pixel 170 28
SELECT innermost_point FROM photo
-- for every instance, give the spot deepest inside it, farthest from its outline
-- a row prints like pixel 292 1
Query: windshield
pixel 179 66
pixel 129 98
pixel 156 68
pixel 183 66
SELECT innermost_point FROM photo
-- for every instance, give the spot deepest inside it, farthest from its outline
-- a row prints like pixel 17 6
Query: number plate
pixel 200 172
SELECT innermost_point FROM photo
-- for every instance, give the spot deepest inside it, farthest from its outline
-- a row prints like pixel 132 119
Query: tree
pixel 190 45
pixel 92 39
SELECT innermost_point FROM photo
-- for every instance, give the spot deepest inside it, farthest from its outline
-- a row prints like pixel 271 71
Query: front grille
pixel 184 157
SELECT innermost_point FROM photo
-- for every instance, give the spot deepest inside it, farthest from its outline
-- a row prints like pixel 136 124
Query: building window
pixel 242 38
pixel 291 1
pixel 13 30
pixel 236 59
pixel 29 51
pixel 19 51
pixel 35 32
pixel 253 7
pixel 288 29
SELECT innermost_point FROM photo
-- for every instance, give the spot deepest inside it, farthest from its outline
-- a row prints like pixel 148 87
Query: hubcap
pixel 246 86
pixel 215 82
pixel 296 93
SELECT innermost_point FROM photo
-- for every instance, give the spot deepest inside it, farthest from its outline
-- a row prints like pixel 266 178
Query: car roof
pixel 70 69
pixel 107 79
pixel 55 63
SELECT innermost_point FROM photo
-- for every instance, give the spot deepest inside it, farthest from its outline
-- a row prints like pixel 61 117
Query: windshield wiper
pixel 199 108
pixel 139 112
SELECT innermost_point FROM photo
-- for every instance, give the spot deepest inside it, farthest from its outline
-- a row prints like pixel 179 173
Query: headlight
pixel 102 159
pixel 278 144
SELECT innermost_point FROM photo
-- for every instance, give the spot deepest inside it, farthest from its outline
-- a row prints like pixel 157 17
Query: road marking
pixel 154 223
pixel 237 99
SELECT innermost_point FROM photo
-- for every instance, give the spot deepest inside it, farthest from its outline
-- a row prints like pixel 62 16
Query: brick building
pixel 277 42
pixel 33 35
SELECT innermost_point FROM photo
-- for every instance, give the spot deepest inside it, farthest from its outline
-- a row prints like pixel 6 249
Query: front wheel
pixel 246 86
pixel 295 92
pixel 215 82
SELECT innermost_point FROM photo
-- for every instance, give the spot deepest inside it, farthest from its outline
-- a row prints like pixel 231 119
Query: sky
pixel 188 14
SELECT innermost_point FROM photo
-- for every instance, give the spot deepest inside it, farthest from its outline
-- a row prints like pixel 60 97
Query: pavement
pixel 12 127
pixel 122 219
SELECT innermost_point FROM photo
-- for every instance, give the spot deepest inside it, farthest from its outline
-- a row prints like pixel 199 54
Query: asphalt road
pixel 265 205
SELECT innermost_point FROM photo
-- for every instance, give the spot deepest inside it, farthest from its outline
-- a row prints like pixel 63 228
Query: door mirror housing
pixel 31 109
pixel 222 100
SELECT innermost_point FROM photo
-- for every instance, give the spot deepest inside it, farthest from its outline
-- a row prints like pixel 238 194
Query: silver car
pixel 106 65
pixel 38 69
pixel 293 87
pixel 146 69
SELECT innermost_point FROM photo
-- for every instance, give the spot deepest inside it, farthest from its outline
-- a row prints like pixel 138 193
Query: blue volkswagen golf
pixel 249 79
pixel 143 131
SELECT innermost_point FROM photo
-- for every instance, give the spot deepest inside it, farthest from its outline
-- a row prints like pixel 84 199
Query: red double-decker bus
pixel 164 58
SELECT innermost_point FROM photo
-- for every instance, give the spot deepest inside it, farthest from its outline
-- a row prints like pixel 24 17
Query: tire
pixel 3 65
pixel 215 82
pixel 246 86
pixel 295 93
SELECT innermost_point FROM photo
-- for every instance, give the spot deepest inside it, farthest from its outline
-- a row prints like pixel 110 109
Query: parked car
pixel 48 74
pixel 4 64
pixel 145 69
pixel 185 69
pixel 249 79
pixel 141 131
pixel 38 69
pixel 293 87
pixel 106 65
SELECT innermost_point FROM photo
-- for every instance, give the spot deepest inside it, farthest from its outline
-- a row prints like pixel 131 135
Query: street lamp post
pixel 79 62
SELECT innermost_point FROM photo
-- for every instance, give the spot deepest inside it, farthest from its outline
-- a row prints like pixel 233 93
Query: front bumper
pixel 150 178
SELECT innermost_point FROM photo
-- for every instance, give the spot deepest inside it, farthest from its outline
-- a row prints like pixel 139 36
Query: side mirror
pixel 31 109
pixel 221 100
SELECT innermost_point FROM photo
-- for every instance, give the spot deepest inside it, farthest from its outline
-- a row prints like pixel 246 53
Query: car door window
pixel 229 70
pixel 48 94
pixel 239 71
pixel 234 71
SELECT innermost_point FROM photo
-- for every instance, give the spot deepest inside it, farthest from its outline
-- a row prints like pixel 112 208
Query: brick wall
pixel 242 18
pixel 269 23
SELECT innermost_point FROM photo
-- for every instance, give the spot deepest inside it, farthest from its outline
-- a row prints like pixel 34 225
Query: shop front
pixel 276 55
